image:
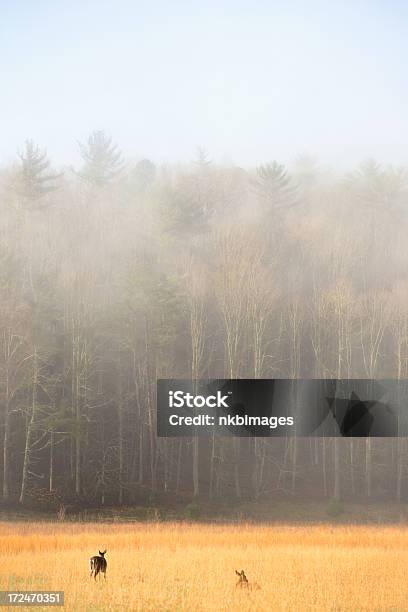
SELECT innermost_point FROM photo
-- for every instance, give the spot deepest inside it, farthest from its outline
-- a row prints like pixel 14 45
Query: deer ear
pixel 237 573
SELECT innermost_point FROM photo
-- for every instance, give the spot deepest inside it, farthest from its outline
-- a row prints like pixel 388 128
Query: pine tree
pixel 34 179
pixel 144 174
pixel 379 188
pixel 102 159
pixel 184 211
pixel 275 187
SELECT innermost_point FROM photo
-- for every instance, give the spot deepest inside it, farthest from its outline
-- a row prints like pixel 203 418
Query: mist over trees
pixel 115 274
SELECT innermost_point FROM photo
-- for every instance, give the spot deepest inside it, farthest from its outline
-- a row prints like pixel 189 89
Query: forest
pixel 119 272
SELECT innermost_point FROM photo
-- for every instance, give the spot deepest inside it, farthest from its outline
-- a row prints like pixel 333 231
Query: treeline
pixel 116 273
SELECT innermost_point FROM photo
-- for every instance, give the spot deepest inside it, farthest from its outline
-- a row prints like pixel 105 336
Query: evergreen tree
pixel 275 187
pixel 102 159
pixel 379 188
pixel 34 178
pixel 184 210
pixel 144 174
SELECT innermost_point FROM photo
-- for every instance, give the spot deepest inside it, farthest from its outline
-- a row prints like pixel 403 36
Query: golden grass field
pixel 189 567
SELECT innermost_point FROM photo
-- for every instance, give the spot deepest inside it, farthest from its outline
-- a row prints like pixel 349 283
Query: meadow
pixel 191 566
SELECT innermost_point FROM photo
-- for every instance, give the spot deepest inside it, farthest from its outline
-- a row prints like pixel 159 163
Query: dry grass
pixel 191 567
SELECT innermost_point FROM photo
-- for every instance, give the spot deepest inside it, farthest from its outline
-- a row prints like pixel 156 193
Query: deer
pixel 98 564
pixel 244 583
pixel 242 579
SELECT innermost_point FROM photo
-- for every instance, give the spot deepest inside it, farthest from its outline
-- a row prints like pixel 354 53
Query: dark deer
pixel 98 564
pixel 244 583
pixel 242 579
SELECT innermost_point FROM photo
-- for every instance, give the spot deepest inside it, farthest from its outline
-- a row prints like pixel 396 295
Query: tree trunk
pixel 120 433
pixel 237 448
pixel 51 479
pixel 6 442
pixel 336 491
pixel 352 475
pixel 30 431
pixel 368 467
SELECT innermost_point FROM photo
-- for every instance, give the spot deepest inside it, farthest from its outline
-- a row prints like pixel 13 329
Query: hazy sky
pixel 249 81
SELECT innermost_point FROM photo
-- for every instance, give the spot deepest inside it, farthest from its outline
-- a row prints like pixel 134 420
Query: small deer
pixel 98 564
pixel 242 579
pixel 244 583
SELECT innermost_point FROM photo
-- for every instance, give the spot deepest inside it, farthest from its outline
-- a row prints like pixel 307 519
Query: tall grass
pixel 162 566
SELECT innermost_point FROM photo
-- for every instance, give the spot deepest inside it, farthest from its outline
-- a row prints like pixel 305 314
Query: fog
pixel 218 194
pixel 116 273
pixel 247 81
